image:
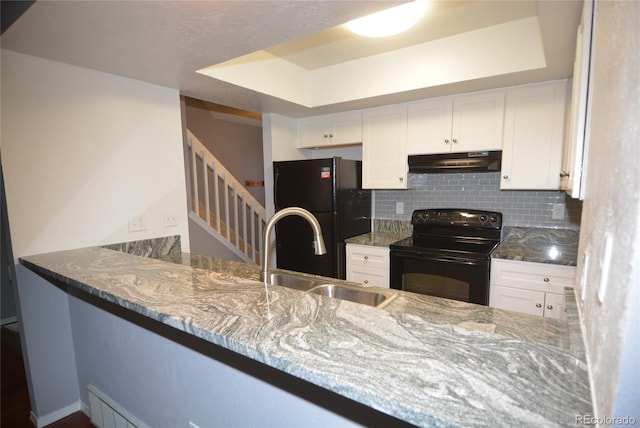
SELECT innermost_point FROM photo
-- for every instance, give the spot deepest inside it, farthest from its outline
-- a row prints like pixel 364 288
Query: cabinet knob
pixel 538 305
pixel 549 307
pixel 546 280
pixel 330 135
pixel 455 140
pixel 401 178
pixel 506 177
pixel 366 281
pixel 366 257
pixel 446 141
pixel 326 136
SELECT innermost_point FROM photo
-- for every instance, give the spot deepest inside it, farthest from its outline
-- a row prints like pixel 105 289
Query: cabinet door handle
pixel 549 307
pixel 506 177
pixel 546 279
pixel 446 141
pixel 455 140
pixel 538 305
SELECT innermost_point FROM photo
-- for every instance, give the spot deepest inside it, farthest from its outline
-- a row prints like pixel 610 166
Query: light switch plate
pixel 137 222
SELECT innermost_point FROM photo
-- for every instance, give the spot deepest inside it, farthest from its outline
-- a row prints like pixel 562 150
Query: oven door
pixel 458 278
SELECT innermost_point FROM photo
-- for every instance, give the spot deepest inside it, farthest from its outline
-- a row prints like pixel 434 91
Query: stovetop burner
pixel 459 245
pixel 463 232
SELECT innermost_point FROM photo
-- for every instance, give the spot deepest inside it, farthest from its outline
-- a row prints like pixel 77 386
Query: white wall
pixel 612 206
pixel 82 150
pixel 47 347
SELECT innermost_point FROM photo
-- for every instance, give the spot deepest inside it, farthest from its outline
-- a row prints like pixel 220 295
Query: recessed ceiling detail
pixel 389 22
pixel 505 48
pixel 307 55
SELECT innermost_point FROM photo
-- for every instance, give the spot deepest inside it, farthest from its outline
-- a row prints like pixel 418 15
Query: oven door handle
pixel 445 259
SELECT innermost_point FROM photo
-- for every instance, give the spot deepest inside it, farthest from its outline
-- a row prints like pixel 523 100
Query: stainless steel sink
pixel 293 281
pixel 372 297
pixel 354 294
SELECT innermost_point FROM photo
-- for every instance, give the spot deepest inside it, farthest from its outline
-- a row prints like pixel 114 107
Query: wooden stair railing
pixel 227 209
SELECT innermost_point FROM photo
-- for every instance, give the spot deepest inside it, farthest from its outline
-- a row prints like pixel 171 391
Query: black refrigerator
pixel 331 189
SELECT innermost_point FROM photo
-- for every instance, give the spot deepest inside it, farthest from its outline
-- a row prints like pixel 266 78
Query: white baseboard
pixel 43 421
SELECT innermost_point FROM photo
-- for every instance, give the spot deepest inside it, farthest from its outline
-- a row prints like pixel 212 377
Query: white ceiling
pixel 167 42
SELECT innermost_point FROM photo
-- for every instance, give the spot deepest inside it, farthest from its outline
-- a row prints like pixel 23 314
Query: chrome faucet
pixel 318 241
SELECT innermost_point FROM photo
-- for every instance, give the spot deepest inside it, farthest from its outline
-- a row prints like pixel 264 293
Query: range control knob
pixel 483 218
pixel 493 218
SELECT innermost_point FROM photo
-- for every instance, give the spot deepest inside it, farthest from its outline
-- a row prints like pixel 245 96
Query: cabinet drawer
pixel 369 256
pixel 369 276
pixel 532 276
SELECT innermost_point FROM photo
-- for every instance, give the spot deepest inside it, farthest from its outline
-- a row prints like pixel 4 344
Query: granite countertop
pixel 540 245
pixel 445 363
pixel 376 238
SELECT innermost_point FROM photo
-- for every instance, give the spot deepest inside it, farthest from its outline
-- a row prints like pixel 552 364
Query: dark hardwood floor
pixel 14 399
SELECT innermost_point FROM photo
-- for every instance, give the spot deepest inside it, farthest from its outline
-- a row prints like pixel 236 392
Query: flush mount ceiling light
pixel 389 22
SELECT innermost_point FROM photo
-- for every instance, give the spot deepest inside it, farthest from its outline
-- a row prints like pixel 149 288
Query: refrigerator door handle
pixel 275 189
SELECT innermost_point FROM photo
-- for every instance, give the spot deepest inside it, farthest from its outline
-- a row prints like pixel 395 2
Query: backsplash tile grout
pixel 522 208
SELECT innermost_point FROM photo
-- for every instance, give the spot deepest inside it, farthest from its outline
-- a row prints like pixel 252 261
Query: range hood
pixel 456 162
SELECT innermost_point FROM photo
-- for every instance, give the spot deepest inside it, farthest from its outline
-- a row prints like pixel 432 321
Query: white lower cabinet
pixel 530 288
pixel 368 264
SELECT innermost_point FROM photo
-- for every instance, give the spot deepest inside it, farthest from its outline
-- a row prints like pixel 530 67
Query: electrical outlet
pixel 169 219
pixel 558 212
pixel 399 207
pixel 137 223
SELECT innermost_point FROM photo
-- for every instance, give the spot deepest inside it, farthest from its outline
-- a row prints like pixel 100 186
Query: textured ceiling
pixel 166 42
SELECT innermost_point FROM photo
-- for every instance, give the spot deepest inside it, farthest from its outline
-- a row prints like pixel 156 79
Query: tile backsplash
pixel 524 208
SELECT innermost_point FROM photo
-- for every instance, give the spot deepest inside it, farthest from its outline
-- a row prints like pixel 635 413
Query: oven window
pixel 458 279
pixel 436 285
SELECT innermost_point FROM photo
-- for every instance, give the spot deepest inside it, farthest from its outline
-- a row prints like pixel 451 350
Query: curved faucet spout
pixel 318 240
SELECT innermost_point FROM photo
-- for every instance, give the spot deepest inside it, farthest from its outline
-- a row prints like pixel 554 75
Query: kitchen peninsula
pixel 423 360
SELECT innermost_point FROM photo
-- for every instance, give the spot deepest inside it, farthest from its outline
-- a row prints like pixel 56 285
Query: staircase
pixel 222 206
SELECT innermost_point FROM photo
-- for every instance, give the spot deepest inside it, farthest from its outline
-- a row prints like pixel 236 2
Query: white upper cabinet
pixel 330 130
pixel 533 137
pixel 384 148
pixel 574 161
pixel 464 123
